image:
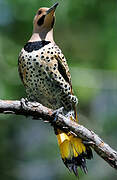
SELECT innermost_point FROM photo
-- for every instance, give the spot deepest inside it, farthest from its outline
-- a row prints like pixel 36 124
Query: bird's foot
pixel 24 103
pixel 56 113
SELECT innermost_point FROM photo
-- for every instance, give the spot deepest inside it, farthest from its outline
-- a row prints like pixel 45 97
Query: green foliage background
pixel 86 31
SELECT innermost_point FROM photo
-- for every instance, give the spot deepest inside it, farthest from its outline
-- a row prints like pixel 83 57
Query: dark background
pixel 86 31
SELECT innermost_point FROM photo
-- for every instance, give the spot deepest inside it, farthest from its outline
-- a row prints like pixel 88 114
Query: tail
pixel 73 152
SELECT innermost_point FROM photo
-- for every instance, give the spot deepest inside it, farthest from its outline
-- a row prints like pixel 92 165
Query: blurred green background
pixel 86 31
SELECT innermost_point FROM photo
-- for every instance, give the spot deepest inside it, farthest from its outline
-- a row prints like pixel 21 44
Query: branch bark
pixel 38 111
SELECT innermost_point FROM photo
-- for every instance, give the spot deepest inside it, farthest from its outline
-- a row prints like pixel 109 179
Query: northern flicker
pixel 45 74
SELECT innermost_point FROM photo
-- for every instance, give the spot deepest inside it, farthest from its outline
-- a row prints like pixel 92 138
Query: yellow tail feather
pixel 73 152
pixel 70 146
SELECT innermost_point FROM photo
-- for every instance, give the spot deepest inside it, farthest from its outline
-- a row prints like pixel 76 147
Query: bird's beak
pixel 52 9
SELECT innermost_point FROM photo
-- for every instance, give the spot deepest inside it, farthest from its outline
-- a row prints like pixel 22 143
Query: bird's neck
pixel 47 36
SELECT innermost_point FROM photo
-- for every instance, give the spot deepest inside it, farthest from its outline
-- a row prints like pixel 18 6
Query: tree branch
pixel 38 111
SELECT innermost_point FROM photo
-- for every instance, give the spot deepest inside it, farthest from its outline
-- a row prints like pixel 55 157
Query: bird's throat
pixel 39 36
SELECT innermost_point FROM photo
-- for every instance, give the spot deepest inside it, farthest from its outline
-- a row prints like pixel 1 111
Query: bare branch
pixel 38 111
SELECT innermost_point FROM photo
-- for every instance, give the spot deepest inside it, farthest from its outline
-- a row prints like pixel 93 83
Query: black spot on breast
pixel 34 46
pixel 41 20
pixel 37 63
pixel 44 72
pixel 42 57
pixel 52 58
pixel 47 68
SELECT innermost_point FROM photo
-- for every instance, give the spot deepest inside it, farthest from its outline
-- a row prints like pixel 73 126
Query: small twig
pixel 38 111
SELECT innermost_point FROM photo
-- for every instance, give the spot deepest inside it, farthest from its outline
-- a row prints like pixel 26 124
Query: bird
pixel 45 74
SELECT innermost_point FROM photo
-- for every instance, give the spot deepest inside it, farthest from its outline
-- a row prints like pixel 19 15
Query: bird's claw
pixel 24 102
pixel 56 113
pixel 88 142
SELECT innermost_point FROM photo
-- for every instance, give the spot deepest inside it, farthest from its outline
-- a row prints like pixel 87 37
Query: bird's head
pixel 44 19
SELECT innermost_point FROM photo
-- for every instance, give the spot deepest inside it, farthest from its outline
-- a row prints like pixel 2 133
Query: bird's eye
pixel 39 12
